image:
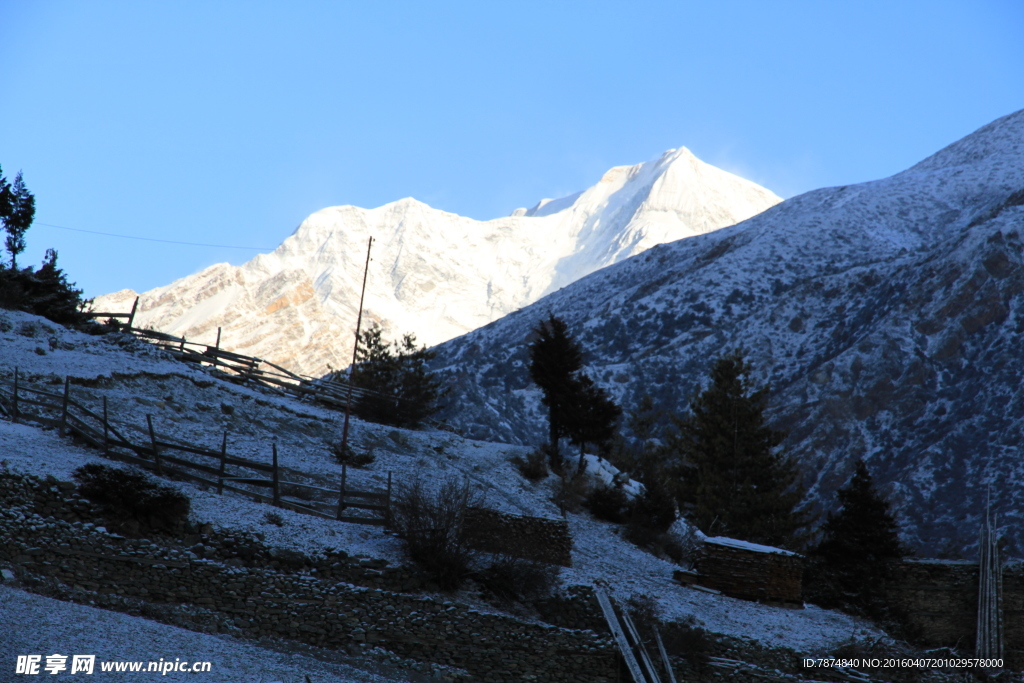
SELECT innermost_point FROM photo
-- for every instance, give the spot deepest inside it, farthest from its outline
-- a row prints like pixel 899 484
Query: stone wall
pixel 308 604
pixel 532 538
pixel 940 599
pixel 751 572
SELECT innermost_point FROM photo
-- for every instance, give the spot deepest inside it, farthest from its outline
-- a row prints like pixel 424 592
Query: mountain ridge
pixel 437 274
pixel 883 315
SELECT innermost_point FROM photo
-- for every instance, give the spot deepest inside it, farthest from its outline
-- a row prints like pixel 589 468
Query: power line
pixel 152 239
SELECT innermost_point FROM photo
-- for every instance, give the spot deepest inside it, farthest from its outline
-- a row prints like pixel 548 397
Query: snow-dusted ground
pixel 36 625
pixel 186 402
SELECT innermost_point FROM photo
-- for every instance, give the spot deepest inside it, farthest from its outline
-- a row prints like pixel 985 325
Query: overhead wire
pixel 153 239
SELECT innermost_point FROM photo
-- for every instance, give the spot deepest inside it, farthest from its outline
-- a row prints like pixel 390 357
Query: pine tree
pixel 858 551
pixel 19 211
pixel 404 393
pixel 728 475
pixel 554 361
pixel 591 414
pixel 6 197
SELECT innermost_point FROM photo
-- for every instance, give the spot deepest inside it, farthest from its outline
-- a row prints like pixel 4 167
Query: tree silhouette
pixel 858 550
pixel 17 209
pixel 554 361
pixel 591 414
pixel 404 392
pixel 728 476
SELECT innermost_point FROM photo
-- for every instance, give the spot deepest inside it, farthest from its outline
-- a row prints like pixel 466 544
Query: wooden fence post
pixel 217 345
pixel 131 316
pixel 106 429
pixel 223 462
pixel 387 505
pixel 156 451
pixel 64 407
pixel 14 416
pixel 341 494
pixel 277 493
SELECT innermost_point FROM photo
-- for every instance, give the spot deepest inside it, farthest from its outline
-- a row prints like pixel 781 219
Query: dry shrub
pixel 687 640
pixel 348 456
pixel 572 493
pixel 431 526
pixel 513 579
pixel 535 467
pixel 133 496
pixel 274 518
pixel 608 503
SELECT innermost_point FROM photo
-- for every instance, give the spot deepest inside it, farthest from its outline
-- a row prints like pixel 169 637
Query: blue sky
pixel 229 122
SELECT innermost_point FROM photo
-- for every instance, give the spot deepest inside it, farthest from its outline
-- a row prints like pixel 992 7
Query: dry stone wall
pixel 314 608
pixel 768 576
pixel 532 538
pixel 940 598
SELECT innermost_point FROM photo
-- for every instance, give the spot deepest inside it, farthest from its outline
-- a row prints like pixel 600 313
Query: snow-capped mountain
pixel 888 318
pixel 434 273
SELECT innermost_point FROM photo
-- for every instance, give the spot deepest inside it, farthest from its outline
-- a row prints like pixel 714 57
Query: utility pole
pixel 351 369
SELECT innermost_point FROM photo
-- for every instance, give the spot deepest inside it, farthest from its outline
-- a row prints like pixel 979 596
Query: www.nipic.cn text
pixel 87 664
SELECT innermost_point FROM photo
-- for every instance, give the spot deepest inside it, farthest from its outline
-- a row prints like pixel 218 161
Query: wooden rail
pixel 164 455
pixel 245 369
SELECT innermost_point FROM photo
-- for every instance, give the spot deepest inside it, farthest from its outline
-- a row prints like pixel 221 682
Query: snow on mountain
pixel 887 317
pixel 434 273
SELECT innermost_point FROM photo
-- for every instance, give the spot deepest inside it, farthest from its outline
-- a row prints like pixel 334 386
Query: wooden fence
pixel 244 369
pixel 200 464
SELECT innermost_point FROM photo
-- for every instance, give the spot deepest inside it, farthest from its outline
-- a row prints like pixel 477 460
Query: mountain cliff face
pixel 434 273
pixel 888 318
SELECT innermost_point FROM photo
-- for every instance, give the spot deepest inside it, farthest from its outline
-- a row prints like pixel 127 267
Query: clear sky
pixel 229 122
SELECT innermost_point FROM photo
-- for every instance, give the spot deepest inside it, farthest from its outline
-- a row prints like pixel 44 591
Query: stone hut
pixel 749 571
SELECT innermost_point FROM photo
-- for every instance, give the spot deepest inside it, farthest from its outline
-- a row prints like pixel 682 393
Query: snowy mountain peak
pixel 435 273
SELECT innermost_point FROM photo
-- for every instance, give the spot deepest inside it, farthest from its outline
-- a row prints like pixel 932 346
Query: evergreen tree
pixel 858 551
pixel 402 392
pixel 591 414
pixel 728 476
pixel 19 210
pixel 6 197
pixel 554 361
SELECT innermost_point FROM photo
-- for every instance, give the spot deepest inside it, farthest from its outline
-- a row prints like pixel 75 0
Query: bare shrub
pixel 348 456
pixel 608 503
pixel 687 640
pixel 644 611
pixel 513 579
pixel 572 493
pixel 431 526
pixel 133 495
pixel 534 467
pixel 274 518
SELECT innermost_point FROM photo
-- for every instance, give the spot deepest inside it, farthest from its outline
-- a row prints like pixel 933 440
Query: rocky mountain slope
pixel 888 318
pixel 434 273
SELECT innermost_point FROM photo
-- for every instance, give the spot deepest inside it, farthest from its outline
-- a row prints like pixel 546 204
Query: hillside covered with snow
pixel 433 273
pixel 887 317
pixel 190 404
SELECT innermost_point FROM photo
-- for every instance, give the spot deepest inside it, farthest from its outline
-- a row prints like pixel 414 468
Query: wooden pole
pixel 14 417
pixel 106 429
pixel 217 345
pixel 277 493
pixel 223 462
pixel 152 440
pixel 387 505
pixel 355 350
pixel 64 407
pixel 341 493
pixel 131 316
